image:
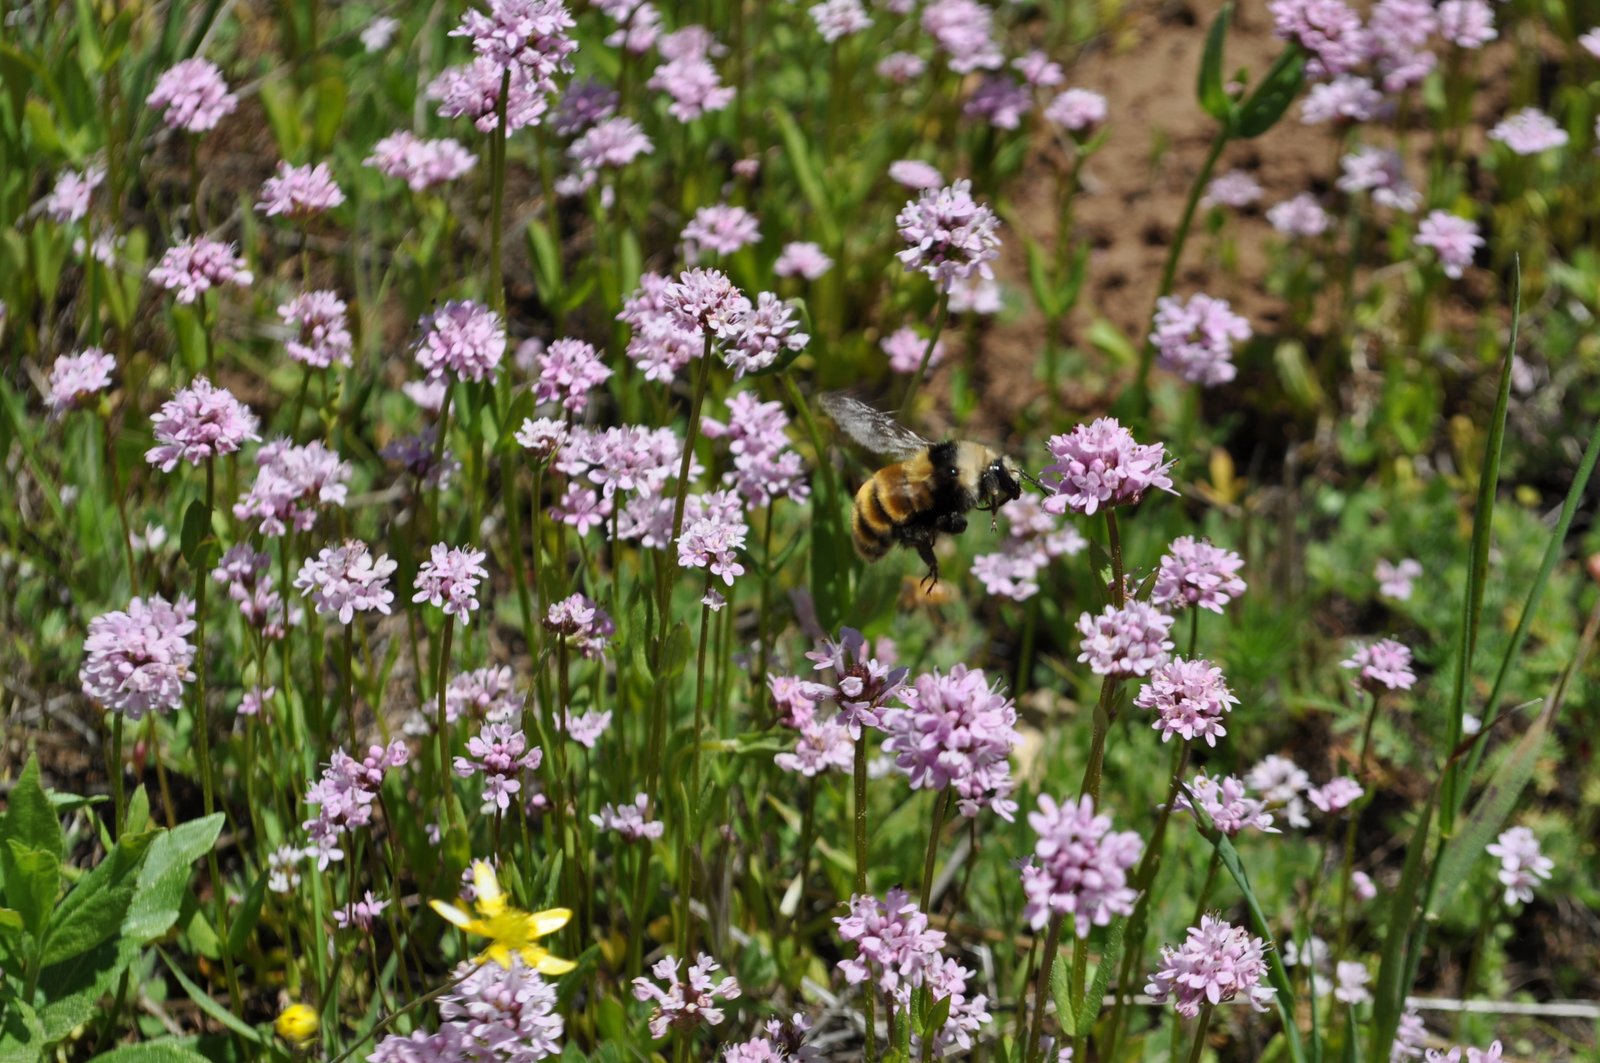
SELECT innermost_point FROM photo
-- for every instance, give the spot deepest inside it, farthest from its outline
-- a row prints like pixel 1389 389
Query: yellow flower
pixel 297 1024
pixel 509 930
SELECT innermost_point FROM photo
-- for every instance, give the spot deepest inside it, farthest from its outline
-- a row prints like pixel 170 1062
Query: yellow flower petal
pixel 452 914
pixel 491 899
pixel 552 965
pixel 549 921
pixel 496 953
pixel 297 1024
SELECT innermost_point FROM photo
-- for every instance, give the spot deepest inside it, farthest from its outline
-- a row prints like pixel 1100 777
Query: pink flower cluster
pixel 956 733
pixel 681 1002
pixel 1522 865
pixel 500 753
pixel 243 571
pixel 1195 339
pixel 1100 465
pixel 1125 642
pixel 421 164
pixel 462 339
pixel 713 537
pixel 344 580
pixel 192 96
pixel 199 422
pixel 1190 698
pixel 566 372
pixel 1228 803
pixel 137 661
pixel 343 797
pixel 1195 573
pixel 1384 663
pixel 490 1013
pixel 1215 963
pixel 299 191
pixel 631 823
pixel 323 328
pixel 765 466
pixel 76 378
pixel 1034 539
pixel 197 265
pixel 449 580
pixel 950 236
pixel 291 482
pixel 1079 868
pixel 862 685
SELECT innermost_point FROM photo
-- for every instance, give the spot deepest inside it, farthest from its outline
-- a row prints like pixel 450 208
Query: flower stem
pixel 497 198
pixel 202 728
pixel 116 774
pixel 941 316
pixel 941 808
pixel 859 812
pixel 1174 253
pixel 1200 1034
pixel 442 725
pixel 1042 987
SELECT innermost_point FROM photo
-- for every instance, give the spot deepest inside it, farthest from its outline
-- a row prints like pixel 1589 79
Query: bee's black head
pixel 999 483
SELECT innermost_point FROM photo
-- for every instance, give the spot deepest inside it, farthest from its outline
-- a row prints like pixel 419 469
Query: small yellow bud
pixel 297 1024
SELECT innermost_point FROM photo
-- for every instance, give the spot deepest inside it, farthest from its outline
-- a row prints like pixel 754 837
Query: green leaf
pixel 1061 993
pixel 1106 337
pixel 1262 108
pixel 21 1034
pixel 247 915
pixel 1552 553
pixel 74 989
pixel 1213 94
pixel 546 262
pixel 1276 974
pixel 96 906
pixel 10 919
pixel 209 1004
pixel 938 1014
pixel 1511 777
pixel 164 1051
pixel 196 531
pixel 1044 292
pixel 1089 1007
pixel 29 818
pixel 1388 997
pixel 164 878
pixel 797 150
pixel 330 97
pixel 33 877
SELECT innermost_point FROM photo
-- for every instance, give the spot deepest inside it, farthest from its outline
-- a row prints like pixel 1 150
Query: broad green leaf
pixel 74 990
pixel 1262 108
pixel 21 1033
pixel 94 909
pixel 165 1051
pixel 10 919
pixel 164 878
pixel 33 877
pixel 29 818
pixel 938 1014
pixel 1213 94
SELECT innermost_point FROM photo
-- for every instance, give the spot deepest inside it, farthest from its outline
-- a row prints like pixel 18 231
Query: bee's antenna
pixel 1031 480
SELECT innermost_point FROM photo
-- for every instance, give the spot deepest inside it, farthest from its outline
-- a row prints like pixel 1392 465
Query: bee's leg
pixel 925 551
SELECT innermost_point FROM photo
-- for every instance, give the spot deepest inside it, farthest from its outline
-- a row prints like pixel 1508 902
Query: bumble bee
pixel 930 488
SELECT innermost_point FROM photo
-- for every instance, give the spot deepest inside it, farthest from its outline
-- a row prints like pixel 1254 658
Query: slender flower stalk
pixel 940 318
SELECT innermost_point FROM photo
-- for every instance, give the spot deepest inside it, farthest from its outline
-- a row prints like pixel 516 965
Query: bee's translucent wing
pixel 871 429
